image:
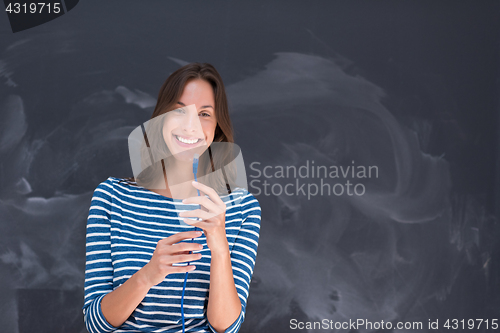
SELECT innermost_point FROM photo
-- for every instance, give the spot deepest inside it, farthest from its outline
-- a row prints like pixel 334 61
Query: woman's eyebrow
pixel 203 107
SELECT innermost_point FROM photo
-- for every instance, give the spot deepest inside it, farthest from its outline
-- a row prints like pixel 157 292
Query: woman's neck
pixel 178 183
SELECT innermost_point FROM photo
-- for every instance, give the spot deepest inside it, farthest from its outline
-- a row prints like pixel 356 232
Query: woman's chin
pixel 187 155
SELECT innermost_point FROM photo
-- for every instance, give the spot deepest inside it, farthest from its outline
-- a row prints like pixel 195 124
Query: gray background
pixel 408 86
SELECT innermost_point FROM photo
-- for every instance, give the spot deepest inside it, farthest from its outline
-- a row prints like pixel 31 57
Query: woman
pixel 137 243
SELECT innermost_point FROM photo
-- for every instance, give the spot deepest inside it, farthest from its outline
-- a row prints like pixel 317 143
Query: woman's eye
pixel 179 110
pixel 205 114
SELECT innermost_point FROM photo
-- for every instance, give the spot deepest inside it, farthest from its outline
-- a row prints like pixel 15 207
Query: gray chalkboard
pixel 407 91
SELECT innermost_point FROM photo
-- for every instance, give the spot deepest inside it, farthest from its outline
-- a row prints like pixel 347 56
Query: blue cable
pixel 196 157
pixel 195 171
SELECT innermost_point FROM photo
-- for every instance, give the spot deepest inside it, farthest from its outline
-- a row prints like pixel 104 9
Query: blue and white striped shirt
pixel 124 224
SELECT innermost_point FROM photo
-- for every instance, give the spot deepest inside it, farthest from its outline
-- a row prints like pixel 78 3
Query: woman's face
pixel 191 127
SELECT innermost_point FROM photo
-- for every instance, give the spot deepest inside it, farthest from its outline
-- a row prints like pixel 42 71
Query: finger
pixel 184 258
pixel 203 201
pixel 198 213
pixel 209 191
pixel 181 269
pixel 184 247
pixel 204 225
pixel 180 236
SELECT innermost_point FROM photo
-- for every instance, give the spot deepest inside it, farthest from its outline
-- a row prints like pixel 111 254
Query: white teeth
pixel 186 140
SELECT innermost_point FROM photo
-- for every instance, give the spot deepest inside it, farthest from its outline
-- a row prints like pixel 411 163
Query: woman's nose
pixel 191 122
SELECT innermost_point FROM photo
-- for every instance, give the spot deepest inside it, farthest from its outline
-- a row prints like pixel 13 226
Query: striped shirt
pixel 124 224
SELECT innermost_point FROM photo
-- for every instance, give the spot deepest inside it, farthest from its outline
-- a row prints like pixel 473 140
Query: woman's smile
pixel 186 141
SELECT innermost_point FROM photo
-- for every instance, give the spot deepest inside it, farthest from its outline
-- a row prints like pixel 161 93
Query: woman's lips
pixel 188 142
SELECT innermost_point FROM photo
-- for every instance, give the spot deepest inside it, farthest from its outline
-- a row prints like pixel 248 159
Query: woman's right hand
pixel 169 251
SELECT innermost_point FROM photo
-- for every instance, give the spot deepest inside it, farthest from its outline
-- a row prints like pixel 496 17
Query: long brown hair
pixel 173 87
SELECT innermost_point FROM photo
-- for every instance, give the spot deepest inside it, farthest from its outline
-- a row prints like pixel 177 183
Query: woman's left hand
pixel 212 219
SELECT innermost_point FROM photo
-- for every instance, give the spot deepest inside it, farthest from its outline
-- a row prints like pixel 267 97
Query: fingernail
pixel 183 200
pixel 195 182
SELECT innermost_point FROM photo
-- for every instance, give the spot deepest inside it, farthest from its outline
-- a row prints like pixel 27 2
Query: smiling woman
pixel 192 126
pixel 138 251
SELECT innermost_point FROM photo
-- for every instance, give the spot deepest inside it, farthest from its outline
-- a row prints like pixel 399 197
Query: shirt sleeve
pixel 243 255
pixel 98 266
